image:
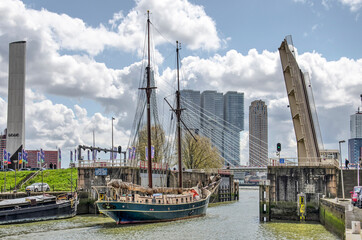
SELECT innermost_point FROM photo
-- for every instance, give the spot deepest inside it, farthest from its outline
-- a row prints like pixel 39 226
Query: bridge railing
pixel 316 162
pixel 101 163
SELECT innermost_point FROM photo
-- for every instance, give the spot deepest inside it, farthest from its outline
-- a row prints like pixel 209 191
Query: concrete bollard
pixel 356 227
pixel 350 207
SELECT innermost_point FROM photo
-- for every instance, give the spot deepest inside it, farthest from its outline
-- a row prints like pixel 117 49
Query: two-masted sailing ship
pixel 131 203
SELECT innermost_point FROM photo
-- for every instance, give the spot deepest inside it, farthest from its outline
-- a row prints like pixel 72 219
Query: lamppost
pixel 340 158
pixel 112 141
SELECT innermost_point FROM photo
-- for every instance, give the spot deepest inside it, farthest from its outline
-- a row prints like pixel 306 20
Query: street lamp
pixel 340 158
pixel 112 140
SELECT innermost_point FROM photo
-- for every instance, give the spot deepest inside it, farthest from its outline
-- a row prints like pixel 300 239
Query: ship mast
pixel 178 111
pixel 148 93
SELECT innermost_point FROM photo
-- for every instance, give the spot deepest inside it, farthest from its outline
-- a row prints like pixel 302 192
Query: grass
pixel 58 179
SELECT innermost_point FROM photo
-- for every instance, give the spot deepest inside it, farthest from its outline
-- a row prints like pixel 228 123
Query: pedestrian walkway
pixel 351 236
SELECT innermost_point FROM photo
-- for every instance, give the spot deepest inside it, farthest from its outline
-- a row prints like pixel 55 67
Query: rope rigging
pixel 223 134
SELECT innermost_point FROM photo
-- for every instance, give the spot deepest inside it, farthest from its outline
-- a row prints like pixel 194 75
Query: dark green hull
pixel 129 212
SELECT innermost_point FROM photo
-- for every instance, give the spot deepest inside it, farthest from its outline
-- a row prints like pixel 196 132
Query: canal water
pixel 238 220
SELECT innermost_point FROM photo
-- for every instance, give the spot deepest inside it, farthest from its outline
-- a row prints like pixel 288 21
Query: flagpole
pixel 15 177
pixel 5 156
pixel 5 183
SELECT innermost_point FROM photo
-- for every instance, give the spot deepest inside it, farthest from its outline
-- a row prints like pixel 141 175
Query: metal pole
pixel 15 178
pixel 42 179
pixel 94 144
pixel 112 141
pixel 340 157
pixel 358 173
pixel 15 175
pixel 71 179
pixel 5 181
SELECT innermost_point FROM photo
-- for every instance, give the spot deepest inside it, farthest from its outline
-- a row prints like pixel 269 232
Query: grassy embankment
pixel 58 179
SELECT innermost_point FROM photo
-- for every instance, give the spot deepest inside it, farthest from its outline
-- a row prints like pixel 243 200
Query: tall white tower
pixel 15 139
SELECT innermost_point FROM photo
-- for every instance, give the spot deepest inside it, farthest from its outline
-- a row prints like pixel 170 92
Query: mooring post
pixel 264 201
pixel 302 206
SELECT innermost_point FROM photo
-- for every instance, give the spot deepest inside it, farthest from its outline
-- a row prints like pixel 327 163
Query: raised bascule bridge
pixel 303 181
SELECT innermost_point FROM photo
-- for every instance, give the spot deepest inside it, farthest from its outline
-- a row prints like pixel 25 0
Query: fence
pixel 315 162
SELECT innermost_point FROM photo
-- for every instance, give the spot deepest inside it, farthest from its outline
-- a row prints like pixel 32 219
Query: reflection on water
pixel 237 220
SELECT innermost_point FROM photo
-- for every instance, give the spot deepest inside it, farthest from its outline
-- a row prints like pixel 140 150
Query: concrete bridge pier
pixel 286 182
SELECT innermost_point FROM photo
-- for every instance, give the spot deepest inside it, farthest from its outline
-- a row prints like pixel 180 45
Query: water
pixel 237 220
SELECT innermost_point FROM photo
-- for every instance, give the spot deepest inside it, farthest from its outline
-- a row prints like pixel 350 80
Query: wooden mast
pixel 148 93
pixel 178 115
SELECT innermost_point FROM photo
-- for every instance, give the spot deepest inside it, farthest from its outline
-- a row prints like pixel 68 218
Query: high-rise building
pixel 258 133
pixel 354 149
pixel 355 143
pixel 16 99
pixel 356 125
pixel 218 117
pixel 212 117
pixel 233 124
pixel 191 102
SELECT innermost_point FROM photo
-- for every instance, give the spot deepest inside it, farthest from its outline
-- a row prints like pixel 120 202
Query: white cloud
pixel 116 18
pixel 325 4
pixel 50 125
pixel 255 74
pixel 77 75
pixel 354 5
pixel 181 19
pixel 336 83
pixel 336 86
pixel 309 2
pixel 3 114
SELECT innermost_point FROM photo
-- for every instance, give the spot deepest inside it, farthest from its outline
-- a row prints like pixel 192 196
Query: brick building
pixel 50 159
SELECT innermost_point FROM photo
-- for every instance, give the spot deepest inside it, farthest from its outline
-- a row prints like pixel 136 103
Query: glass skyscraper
pixel 216 116
pixel 191 102
pixel 355 143
pixel 356 125
pixel 234 123
pixel 212 117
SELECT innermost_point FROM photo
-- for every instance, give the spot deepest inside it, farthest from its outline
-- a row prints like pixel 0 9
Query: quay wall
pixel 286 183
pixel 310 194
pixel 332 216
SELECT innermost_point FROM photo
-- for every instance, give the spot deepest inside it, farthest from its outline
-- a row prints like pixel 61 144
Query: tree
pixel 157 141
pixel 200 154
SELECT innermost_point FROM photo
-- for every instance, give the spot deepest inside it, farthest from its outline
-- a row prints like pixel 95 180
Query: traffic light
pixel 279 147
pixel 119 149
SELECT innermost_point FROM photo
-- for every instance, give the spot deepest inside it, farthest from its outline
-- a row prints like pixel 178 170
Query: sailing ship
pixel 130 203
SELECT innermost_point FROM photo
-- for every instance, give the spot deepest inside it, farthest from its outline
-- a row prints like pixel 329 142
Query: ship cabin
pixel 158 198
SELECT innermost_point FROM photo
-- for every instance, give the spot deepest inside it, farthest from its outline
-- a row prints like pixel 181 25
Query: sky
pixel 84 58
